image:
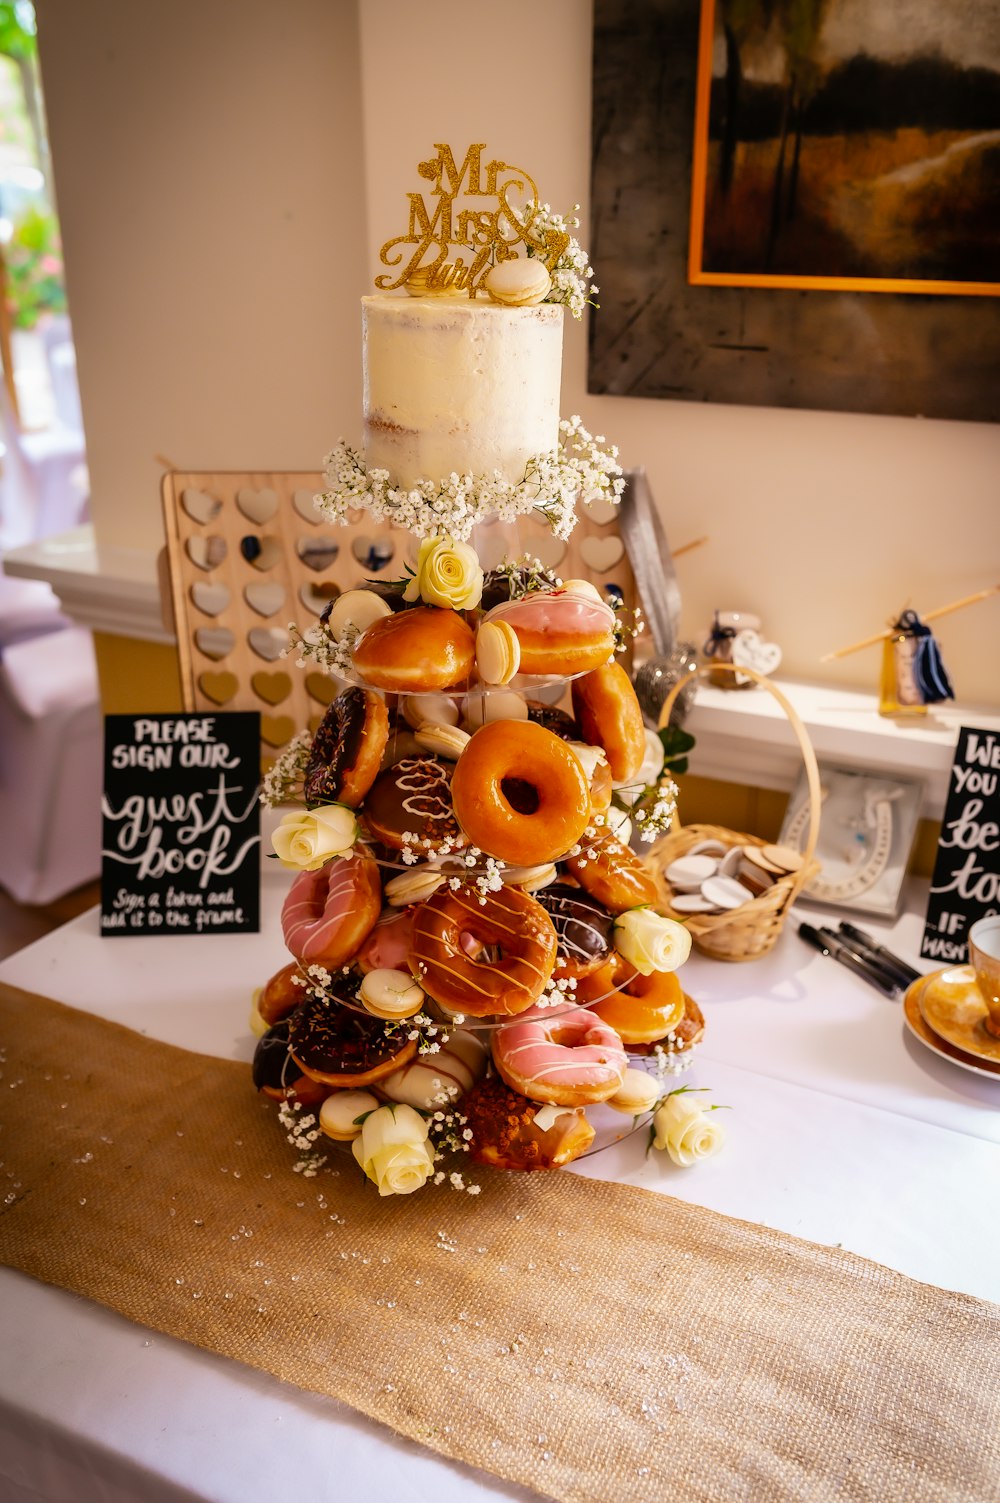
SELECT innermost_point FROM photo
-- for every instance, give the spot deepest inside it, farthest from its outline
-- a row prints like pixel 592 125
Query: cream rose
pixel 308 838
pixel 447 574
pixel 651 942
pixel 393 1150
pixel 686 1130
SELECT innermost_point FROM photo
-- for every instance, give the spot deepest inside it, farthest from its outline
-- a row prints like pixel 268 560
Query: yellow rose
pixel 393 1149
pixel 308 838
pixel 686 1130
pixel 448 574
pixel 651 942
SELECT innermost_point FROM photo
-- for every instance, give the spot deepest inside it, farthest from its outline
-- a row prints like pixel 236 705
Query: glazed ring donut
pixel 417 651
pixel 347 749
pixel 684 1035
pixel 509 921
pixel 606 707
pixel 328 914
pixel 520 793
pixel 570 1060
pixel 644 1009
pixel 340 1047
pixel 612 873
pixel 505 1134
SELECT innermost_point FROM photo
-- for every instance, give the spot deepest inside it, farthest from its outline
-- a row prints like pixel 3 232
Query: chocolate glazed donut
pixel 583 929
pixel 347 749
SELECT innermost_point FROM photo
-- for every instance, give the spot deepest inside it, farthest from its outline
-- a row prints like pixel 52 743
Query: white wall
pixel 214 211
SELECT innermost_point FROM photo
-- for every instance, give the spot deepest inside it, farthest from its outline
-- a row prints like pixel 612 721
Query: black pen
pixel 829 944
pixel 886 958
pixel 859 952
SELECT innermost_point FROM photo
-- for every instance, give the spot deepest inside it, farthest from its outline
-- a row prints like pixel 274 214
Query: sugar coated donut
pixel 512 922
pixel 328 913
pixel 583 929
pixel 506 1131
pixel 337 1046
pixel 559 632
pixel 644 1008
pixel 416 651
pixel 347 749
pixel 570 1060
pixel 612 873
pixel 413 797
pixel 607 709
pixel 520 793
pixel 433 1080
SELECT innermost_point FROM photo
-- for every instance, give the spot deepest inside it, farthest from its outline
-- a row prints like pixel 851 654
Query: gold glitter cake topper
pixel 456 220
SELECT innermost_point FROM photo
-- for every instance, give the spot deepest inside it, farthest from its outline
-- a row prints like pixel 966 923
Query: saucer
pixel 920 1030
pixel 950 1007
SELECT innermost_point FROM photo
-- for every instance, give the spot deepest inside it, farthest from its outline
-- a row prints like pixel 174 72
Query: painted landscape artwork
pixel 907 201
pixel 843 143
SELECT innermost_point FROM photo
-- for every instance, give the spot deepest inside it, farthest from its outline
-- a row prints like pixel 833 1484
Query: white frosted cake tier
pixel 459 385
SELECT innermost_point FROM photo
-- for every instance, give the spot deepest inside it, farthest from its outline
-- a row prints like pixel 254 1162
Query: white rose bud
pixel 447 574
pixel 393 1150
pixel 686 1130
pixel 308 838
pixel 651 942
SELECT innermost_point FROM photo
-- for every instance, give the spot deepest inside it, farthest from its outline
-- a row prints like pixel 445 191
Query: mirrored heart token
pixel 726 892
pixel 693 902
pixel 687 873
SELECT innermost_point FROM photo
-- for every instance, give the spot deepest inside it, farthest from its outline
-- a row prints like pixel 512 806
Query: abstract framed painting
pixel 845 145
pixel 838 347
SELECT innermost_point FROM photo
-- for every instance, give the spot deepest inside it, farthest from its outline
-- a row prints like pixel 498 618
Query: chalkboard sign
pixel 181 842
pixel 966 881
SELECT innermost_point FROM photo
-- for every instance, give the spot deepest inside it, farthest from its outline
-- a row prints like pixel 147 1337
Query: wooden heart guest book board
pixel 249 553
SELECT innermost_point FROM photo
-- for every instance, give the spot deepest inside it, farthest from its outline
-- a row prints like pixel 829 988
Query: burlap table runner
pixel 591 1341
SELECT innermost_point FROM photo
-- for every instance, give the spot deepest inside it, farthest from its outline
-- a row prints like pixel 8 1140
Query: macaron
pixel 442 740
pixel 498 652
pixel 417 709
pixel 339 1112
pixel 519 282
pixel 357 609
pixel 412 887
pixel 637 1093
pixel 391 994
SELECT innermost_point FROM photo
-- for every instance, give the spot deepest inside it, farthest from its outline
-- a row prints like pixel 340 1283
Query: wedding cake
pixel 479 968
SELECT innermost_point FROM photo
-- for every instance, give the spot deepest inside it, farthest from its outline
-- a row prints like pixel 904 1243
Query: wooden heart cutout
pixel 600 510
pixel 601 554
pixel 211 599
pixel 373 553
pixel 218 687
pixel 305 504
pixel 207 553
pixel 199 505
pixel 214 642
pixel 316 597
pixel 271 687
pixel 317 553
pixel 549 551
pixel 322 689
pixel 268 642
pixel 277 730
pixel 262 553
pixel 265 596
pixel 259 506
pixel 751 651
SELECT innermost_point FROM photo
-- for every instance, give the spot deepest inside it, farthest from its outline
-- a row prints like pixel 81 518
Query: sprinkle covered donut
pixel 570 1060
pixel 520 793
pixel 509 921
pixel 347 749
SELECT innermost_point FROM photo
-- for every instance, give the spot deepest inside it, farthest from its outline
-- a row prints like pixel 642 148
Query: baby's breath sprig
pixel 525 576
pixel 450 1134
pixel 581 468
pixel 283 783
pixel 319 646
pixel 653 813
pixel 628 625
pixel 301 1132
pixel 571 276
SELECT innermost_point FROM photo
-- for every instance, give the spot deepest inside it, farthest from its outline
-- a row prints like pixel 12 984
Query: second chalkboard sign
pixel 966 881
pixel 181 820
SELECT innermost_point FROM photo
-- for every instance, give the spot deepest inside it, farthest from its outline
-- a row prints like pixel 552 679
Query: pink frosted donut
pixel 328 914
pixel 569 1060
pixel 387 947
pixel 559 632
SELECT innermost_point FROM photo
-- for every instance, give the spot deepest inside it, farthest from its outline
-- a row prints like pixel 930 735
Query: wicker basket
pixel 749 931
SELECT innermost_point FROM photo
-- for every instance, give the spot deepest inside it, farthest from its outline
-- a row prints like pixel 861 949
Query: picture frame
pixel 868 822
pixel 846 148
pixel 659 336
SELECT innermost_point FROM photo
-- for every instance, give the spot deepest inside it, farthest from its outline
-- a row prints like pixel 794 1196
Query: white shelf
pixel 742 735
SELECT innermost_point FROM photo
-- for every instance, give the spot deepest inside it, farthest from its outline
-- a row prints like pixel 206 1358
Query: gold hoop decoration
pixel 747 932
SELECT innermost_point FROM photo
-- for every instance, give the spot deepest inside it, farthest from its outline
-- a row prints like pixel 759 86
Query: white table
pixel 843 1130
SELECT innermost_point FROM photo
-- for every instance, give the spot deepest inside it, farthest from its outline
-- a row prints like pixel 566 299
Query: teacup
pixel 984 956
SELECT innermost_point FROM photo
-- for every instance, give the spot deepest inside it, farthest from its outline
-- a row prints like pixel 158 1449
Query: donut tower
pixel 480 966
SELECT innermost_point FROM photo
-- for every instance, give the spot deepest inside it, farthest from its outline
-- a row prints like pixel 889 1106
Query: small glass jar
pixel 718 647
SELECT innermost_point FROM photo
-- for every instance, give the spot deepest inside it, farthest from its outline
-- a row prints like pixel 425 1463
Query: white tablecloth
pixel 842 1129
